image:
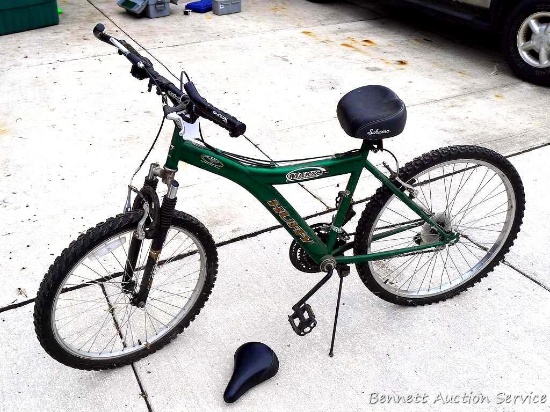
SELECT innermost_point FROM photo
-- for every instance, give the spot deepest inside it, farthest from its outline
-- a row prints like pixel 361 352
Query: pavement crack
pixel 257 148
pixel 531 278
pixel 16 305
pixel 274 161
pixel 499 86
pixel 528 150
pixel 275 227
pixel 314 195
pixel 142 389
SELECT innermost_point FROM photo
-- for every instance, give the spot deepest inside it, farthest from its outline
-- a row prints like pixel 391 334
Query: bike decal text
pixel 291 223
pixel 305 173
pixel 372 132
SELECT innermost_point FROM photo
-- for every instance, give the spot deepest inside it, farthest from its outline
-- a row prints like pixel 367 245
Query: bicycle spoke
pixel 403 268
pixel 156 307
pixel 109 312
pixel 403 216
pixel 399 267
pixel 166 283
pixel 173 293
pixel 394 246
pixel 461 254
pixel 444 269
pixel 391 240
pixel 479 188
pixel 460 187
pixel 477 204
pixel 411 277
pixel 162 301
pixel 490 215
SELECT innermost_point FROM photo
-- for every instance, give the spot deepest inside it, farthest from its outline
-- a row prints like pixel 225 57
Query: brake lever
pixel 150 85
pixel 176 118
pixel 176 109
pixel 188 130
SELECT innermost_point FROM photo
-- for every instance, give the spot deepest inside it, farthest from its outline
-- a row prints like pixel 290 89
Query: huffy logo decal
pixel 305 173
pixel 291 223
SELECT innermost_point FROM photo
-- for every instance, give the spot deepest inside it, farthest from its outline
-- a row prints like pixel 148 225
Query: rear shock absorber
pixel 165 219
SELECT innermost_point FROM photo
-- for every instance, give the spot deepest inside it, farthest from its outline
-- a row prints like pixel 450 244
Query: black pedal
pixel 303 320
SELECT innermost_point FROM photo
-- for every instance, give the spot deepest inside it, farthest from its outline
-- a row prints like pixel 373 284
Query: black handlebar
pixel 212 113
pixel 201 106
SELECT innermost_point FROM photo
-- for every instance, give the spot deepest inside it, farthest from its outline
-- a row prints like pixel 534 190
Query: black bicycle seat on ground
pixel 372 113
pixel 255 363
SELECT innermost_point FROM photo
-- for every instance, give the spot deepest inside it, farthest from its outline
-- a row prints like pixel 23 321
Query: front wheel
pixel 84 314
pixel 469 190
pixel 526 41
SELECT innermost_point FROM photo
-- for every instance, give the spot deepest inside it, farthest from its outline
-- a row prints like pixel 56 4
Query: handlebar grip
pixel 130 53
pixel 212 113
pixel 228 122
pixel 99 33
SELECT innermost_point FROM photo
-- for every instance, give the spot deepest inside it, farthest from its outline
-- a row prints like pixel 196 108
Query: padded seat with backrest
pixel 372 113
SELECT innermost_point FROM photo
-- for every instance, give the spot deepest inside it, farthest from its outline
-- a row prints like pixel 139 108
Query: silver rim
pixel 92 317
pixel 533 40
pixel 471 197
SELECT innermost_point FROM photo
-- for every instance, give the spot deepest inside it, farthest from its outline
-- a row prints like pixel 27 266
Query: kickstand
pixel 343 271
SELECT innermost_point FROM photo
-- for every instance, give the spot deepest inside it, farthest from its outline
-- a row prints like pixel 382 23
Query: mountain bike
pixel 128 286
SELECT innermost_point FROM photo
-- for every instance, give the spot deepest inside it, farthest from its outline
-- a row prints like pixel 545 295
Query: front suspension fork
pixel 165 219
pixel 159 236
pixel 128 284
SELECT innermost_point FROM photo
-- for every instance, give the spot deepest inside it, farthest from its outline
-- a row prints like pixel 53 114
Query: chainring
pixel 299 257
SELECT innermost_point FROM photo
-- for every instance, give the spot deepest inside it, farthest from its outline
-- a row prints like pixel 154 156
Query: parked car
pixel 523 25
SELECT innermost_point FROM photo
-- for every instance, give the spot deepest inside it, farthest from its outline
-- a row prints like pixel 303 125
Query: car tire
pixel 528 62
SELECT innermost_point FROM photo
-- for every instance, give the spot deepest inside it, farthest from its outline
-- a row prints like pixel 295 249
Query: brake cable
pixel 129 36
pixel 257 162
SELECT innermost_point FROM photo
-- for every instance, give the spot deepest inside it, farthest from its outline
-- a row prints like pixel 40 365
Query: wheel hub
pixel 533 40
pixel 540 40
pixel 429 234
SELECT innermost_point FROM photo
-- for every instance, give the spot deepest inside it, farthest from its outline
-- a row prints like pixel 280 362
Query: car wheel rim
pixel 533 40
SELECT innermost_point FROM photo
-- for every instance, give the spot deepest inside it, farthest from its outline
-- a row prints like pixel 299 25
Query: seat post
pixel 372 145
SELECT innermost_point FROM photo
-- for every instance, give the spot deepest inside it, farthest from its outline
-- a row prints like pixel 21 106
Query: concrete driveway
pixel 74 125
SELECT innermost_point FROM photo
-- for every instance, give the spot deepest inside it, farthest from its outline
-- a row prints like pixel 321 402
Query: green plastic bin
pixel 22 15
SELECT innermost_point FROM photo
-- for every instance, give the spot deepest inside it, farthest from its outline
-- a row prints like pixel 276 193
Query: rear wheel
pixel 470 190
pixel 86 319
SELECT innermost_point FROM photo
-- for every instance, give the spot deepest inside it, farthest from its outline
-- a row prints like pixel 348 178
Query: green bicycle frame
pixel 260 181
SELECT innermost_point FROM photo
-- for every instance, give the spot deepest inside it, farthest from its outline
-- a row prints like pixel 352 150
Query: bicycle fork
pixel 158 237
pixel 165 219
